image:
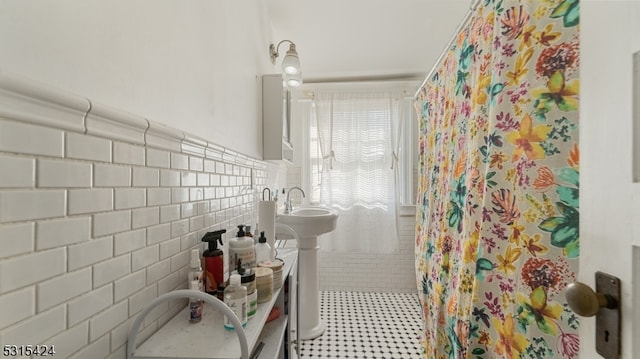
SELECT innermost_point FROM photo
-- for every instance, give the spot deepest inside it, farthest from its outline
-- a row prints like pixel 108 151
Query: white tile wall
pixel 158 196
pixel 60 289
pixel 130 198
pixel 111 269
pixel 89 200
pixel 71 340
pixel 61 232
pixel 102 323
pixel 145 217
pixel 97 228
pixel 22 304
pixel 394 272
pixel 17 172
pixel 29 205
pixel 179 161
pixel 97 349
pixel 87 147
pixel 129 241
pixel 63 173
pixel 89 253
pixel 86 305
pixel 18 137
pixel 111 175
pixel 128 154
pixel 18 272
pixel 130 284
pixel 111 222
pixel 145 177
pixel 158 158
pixel 94 225
pixel 37 328
pixel 16 239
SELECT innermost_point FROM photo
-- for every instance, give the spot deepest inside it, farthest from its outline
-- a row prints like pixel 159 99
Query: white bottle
pixel 195 272
pixel 242 247
pixel 235 297
pixel 263 249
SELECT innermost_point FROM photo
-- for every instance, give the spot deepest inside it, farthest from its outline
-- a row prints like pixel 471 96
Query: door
pixel 609 199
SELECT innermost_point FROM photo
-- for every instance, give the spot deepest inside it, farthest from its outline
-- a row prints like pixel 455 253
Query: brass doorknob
pixel 585 302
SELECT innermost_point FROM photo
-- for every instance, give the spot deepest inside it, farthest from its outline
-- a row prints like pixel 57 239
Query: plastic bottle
pixel 235 296
pixel 248 280
pixel 263 249
pixel 242 248
pixel 195 305
pixel 195 273
pixel 213 259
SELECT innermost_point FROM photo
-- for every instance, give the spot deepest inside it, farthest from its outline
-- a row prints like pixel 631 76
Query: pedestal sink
pixel 309 223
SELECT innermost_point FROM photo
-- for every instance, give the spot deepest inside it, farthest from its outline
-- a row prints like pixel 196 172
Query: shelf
pixel 272 334
pixel 209 339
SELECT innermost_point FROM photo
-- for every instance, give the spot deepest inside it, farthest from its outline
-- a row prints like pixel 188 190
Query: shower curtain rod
pixel 472 8
pixel 360 79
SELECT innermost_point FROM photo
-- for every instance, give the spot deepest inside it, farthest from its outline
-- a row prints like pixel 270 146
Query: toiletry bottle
pixel 195 273
pixel 195 305
pixel 242 247
pixel 263 249
pixel 213 259
pixel 235 296
pixel 247 231
pixel 248 280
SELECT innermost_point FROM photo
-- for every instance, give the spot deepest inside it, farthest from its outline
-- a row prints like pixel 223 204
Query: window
pixel 360 163
pixel 377 120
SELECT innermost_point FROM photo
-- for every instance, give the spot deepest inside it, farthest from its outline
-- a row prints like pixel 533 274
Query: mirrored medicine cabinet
pixel 276 119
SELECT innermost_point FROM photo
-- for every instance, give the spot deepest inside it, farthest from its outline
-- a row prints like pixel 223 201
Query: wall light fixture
pixel 290 63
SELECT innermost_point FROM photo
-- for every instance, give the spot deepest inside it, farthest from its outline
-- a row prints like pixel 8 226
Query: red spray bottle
pixel 213 262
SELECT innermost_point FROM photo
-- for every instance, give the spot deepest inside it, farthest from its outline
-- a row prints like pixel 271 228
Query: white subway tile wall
pixel 92 229
pixel 366 272
pixel 94 225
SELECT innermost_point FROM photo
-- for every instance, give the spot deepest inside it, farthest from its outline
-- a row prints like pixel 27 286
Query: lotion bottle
pixel 242 247
pixel 235 296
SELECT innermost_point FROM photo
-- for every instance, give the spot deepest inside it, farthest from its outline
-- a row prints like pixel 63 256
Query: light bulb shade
pixel 290 62
pixel 294 80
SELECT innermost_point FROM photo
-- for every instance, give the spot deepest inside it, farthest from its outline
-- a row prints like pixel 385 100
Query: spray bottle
pixel 213 259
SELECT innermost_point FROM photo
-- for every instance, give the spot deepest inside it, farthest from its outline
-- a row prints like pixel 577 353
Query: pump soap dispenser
pixel 263 249
pixel 213 259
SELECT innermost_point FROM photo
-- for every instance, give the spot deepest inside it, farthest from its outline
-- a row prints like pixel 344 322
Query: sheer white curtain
pixel 357 136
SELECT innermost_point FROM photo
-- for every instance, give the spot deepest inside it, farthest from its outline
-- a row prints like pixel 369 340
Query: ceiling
pixel 342 40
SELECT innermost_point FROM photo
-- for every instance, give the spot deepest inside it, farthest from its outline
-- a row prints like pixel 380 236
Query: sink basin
pixel 310 221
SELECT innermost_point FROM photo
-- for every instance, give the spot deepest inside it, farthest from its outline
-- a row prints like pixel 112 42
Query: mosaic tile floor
pixel 366 325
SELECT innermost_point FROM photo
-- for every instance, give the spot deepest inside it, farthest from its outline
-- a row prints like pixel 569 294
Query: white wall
pixel 609 36
pixel 98 216
pixel 193 65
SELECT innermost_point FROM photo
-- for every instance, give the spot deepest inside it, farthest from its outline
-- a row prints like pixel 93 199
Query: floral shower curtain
pixel 497 222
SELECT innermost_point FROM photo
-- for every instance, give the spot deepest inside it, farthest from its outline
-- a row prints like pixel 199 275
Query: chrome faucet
pixel 288 207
